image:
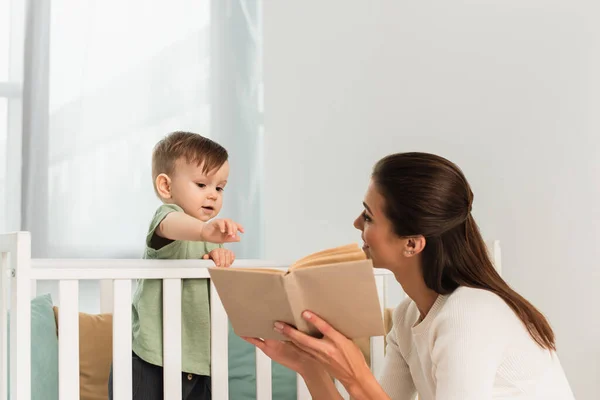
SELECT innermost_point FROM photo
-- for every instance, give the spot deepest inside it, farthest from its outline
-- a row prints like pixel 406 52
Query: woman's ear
pixel 414 245
pixel 163 186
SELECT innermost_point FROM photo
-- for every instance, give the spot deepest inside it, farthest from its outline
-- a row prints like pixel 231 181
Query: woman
pixel 463 333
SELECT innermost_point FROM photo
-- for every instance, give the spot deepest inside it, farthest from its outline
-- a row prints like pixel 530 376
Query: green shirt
pixel 195 306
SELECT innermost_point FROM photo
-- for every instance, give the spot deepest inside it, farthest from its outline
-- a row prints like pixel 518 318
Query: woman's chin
pixel 377 264
pixel 369 257
pixel 365 249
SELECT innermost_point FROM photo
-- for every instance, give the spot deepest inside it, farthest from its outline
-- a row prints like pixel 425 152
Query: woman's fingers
pixel 327 330
pixel 316 354
pixel 317 348
pixel 323 326
pixel 255 341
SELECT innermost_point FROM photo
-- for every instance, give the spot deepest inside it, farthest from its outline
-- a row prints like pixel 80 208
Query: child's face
pixel 199 194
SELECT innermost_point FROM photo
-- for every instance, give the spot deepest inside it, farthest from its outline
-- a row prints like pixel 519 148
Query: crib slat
pixel 172 338
pixel 68 340
pixel 377 355
pixel 219 333
pixel 302 392
pixel 122 374
pixel 264 388
pixel 377 342
pixel 381 284
pixel 4 279
pixel 20 317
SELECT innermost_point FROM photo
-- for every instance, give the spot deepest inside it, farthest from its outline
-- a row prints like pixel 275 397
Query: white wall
pixel 509 90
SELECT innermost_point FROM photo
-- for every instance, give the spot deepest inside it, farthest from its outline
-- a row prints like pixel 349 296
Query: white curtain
pixel 12 21
pixel 3 135
pixel 4 79
pixel 104 81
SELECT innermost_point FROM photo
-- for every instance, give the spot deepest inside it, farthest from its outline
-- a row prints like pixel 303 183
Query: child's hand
pixel 221 231
pixel 221 257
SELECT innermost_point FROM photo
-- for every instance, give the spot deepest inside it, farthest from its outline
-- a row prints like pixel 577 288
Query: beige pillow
pixel 388 321
pixel 364 344
pixel 95 354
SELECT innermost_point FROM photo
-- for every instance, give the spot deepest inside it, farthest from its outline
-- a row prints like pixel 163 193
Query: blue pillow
pixel 242 373
pixel 44 350
pixel 44 361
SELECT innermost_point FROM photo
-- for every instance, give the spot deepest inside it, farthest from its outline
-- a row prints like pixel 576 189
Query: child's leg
pixel 110 383
pixel 197 387
pixel 148 383
pixel 147 380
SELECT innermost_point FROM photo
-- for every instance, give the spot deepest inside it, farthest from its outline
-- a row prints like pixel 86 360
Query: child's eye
pixel 220 189
pixel 365 217
pixel 201 185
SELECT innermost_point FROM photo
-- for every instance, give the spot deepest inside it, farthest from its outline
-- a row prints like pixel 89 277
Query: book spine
pixel 296 302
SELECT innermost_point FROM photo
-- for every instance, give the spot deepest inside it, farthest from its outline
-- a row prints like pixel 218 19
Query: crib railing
pixel 117 277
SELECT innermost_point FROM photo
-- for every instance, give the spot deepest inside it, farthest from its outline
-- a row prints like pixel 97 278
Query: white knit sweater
pixel 470 346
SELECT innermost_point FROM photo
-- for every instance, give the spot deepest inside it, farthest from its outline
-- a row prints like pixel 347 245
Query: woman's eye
pixel 365 217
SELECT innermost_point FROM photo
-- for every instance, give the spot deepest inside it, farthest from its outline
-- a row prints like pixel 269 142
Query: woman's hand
pixel 337 354
pixel 285 353
pixel 318 360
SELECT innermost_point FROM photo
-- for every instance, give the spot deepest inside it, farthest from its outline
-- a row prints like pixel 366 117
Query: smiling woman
pixel 462 333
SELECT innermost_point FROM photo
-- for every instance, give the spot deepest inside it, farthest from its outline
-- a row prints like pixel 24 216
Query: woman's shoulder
pixel 475 300
pixel 470 307
pixel 476 306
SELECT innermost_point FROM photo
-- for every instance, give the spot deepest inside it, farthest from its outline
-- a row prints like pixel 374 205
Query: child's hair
pixel 193 148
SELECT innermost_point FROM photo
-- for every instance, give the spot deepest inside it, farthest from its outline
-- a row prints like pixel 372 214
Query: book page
pixel 351 252
pixel 326 252
pixel 344 294
pixel 331 259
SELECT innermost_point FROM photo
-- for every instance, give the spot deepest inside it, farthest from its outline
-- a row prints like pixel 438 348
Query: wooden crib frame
pixel 116 277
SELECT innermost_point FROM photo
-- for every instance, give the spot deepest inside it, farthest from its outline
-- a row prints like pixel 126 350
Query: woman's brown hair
pixel 428 195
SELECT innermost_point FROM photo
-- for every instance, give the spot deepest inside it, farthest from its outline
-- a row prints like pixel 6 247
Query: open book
pixel 337 284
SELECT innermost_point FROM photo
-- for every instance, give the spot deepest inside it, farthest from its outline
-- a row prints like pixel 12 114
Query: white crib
pixel 19 274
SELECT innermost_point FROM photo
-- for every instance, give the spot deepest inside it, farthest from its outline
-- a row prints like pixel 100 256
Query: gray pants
pixel 148 383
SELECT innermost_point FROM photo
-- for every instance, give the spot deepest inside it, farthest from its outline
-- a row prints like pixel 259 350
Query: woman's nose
pixel 358 223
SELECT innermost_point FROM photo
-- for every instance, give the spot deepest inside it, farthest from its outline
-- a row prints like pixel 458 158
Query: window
pixel 120 76
pixel 4 49
pixel 3 129
pixel 104 81
pixel 4 39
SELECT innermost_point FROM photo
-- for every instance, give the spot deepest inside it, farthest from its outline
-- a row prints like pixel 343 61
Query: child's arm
pixel 180 226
